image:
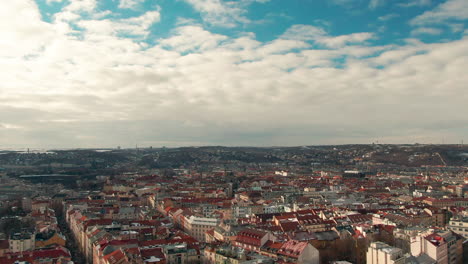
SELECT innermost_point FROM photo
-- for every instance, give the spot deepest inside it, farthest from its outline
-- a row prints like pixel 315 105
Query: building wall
pixel 459 226
pixel 54 240
pixel 310 255
pixel 197 226
pixel 378 253
pixel 439 253
pixel 19 245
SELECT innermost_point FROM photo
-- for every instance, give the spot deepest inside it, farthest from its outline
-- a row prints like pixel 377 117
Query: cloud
pixel 304 32
pixel 219 13
pixel 344 3
pixel 192 38
pixel 198 87
pixel 373 4
pixel 388 17
pixel 341 41
pixel 426 31
pixel 222 13
pixel 449 10
pixel 456 27
pixel 134 26
pixel 130 4
pixel 416 3
pixel 320 36
pixel 19 38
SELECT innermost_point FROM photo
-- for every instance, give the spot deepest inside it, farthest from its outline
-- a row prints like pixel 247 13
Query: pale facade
pixel 197 226
pixel 381 253
pixel 459 225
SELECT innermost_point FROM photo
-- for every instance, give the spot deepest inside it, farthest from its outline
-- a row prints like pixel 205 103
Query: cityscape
pixel 233 132
pixel 311 204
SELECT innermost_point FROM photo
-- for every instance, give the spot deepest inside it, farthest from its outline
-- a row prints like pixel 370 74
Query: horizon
pixel 89 73
pixel 32 150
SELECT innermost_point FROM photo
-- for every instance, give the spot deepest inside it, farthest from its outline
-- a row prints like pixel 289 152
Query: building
pixel 442 247
pixel 180 253
pixel 381 253
pixel 354 174
pixel 459 225
pixel 252 240
pixel 438 216
pixel 298 252
pixel 47 240
pixel 20 242
pixel 197 226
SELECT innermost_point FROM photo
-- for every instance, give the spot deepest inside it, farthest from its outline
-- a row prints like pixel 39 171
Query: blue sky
pixel 89 73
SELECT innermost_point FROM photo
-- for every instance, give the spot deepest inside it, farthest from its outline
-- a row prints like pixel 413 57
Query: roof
pixel 152 252
pixel 359 218
pixel 31 256
pixel 250 237
pixel 289 226
pixel 115 257
pixel 435 239
pixel 292 248
pixel 272 246
pixel 326 235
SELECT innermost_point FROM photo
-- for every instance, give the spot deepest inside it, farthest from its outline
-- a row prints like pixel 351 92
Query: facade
pixel 252 240
pixel 180 254
pixel 381 253
pixel 22 242
pixel 459 225
pixel 55 239
pixel 197 226
pixel 298 252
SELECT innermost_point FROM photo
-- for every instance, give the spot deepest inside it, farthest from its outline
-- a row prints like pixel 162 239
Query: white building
pixel 381 253
pixel 459 225
pixel 197 226
pixel 22 242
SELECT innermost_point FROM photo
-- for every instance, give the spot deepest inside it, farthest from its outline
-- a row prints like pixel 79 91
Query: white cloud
pixel 320 36
pixel 426 31
pixel 388 17
pixel 341 41
pixel 219 13
pixel 134 26
pixel 192 38
pixel 456 27
pixel 198 87
pixel 22 30
pixel 416 3
pixel 344 3
pixel 373 4
pixel 223 13
pixel 130 4
pixel 451 9
pixel 304 32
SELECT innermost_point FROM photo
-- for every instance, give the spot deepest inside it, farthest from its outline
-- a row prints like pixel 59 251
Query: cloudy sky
pixel 103 73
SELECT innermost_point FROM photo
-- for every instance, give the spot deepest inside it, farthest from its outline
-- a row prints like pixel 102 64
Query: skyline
pixel 96 74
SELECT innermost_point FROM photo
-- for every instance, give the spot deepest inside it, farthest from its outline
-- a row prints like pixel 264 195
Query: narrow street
pixel 72 245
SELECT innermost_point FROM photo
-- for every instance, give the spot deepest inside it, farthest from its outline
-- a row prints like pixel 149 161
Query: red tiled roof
pixel 115 257
pixel 292 248
pixel 250 237
pixel 51 253
pixel 31 256
pixel 289 226
pixel 269 245
pixel 156 252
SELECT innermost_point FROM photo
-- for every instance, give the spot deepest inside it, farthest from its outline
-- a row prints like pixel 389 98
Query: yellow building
pixel 55 239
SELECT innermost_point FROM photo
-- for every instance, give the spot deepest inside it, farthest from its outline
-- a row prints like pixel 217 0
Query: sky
pixel 108 73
